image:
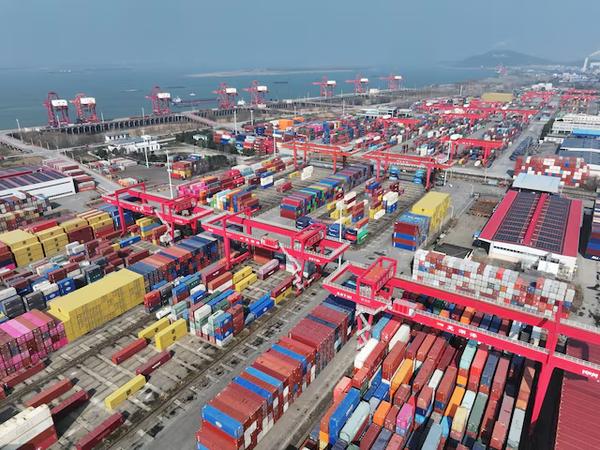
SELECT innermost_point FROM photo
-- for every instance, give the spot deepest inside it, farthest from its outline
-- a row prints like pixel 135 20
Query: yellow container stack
pixel 93 305
pixel 74 224
pixel 434 205
pixel 241 274
pixel 151 330
pixel 96 219
pixel 164 338
pixel 124 392
pixel 25 246
pixel 53 240
pixel 285 294
pixel 245 282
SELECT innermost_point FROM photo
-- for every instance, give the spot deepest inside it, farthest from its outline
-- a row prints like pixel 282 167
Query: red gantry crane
pixel 326 87
pixel 257 94
pixel 487 145
pixel 57 109
pixel 393 81
pixel 300 246
pixel 335 151
pixel 161 101
pixel 360 84
pixel 226 96
pixel 85 108
pixel 374 294
pixel 179 211
pixel 385 159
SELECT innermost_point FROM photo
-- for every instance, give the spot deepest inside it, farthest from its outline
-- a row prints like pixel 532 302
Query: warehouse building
pixel 538 230
pixel 537 183
pixel 36 181
pixel 576 123
pixel 583 147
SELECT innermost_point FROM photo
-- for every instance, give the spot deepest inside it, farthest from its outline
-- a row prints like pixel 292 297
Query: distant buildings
pixel 576 124
pixel 142 144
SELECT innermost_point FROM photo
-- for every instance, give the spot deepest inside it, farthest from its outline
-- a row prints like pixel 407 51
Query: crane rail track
pixel 265 324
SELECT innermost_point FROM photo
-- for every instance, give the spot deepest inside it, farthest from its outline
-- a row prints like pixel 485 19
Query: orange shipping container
pixel 380 413
pixel 402 376
pixel 341 388
pixel 455 401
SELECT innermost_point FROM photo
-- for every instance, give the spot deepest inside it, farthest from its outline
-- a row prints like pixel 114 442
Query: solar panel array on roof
pixel 551 227
pixel 25 176
pixel 517 219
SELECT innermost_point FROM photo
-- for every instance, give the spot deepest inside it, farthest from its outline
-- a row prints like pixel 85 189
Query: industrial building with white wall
pixel 538 230
pixel 36 181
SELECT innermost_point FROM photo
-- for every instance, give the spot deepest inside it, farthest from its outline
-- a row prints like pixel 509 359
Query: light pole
pixel 235 120
pixel 143 113
pixel 19 127
pixel 252 117
pixel 169 171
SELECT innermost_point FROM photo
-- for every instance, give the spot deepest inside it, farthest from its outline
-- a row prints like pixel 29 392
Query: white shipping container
pixel 25 426
pixel 364 353
pixel 402 335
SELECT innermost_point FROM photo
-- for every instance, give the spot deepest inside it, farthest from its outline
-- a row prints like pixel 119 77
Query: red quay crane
pixel 393 81
pixel 226 96
pixel 375 285
pixel 86 108
pixel 360 84
pixel 326 87
pixel 57 109
pixel 257 93
pixel 161 101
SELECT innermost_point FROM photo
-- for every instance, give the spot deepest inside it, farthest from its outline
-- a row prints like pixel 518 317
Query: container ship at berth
pixel 332 292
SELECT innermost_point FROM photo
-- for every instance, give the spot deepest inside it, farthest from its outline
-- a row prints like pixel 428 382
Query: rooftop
pixel 540 183
pixel 542 221
pixel 17 177
pixel 579 143
pixel 590 157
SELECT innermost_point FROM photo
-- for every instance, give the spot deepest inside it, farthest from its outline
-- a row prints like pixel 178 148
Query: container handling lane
pixel 171 421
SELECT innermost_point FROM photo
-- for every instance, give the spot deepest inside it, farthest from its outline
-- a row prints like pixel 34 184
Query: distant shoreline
pixel 264 72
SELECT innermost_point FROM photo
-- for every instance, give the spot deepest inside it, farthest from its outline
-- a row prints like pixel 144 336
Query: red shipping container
pixel 448 358
pixel 276 396
pixel 215 439
pixel 12 380
pixel 370 436
pixel 390 329
pixel 425 346
pixel 423 376
pixel 396 442
pixel 218 281
pixel 153 363
pixel 69 404
pixel 413 346
pixel 128 351
pixel 488 421
pixel 500 378
pixel 402 395
pixel 50 393
pixel 390 419
pixel 98 434
pixel 445 389
pixel 393 360
pixel 477 368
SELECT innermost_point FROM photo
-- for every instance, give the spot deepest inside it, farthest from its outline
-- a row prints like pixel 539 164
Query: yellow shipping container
pixel 93 216
pixel 29 249
pixel 241 274
pixel 294 174
pixel 150 331
pixel 434 205
pixel 285 294
pixel 243 284
pixel 144 222
pixel 124 392
pixel 95 304
pixel 503 97
pixel 18 238
pixel 101 223
pixel 402 375
pixel 49 233
pixel 59 240
pixel 73 224
pixel 455 401
pixel 164 338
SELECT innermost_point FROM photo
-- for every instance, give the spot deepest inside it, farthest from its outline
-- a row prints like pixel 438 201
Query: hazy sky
pixel 227 34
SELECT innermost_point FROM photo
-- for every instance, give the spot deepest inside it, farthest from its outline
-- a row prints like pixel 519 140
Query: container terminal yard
pixel 385 269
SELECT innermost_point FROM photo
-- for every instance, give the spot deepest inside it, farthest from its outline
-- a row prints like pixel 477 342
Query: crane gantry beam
pixel 374 291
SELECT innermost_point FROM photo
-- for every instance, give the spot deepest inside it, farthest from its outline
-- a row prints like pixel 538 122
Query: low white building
pixel 143 144
pixel 41 181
